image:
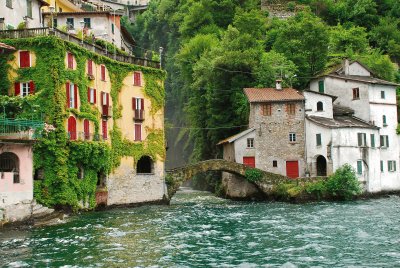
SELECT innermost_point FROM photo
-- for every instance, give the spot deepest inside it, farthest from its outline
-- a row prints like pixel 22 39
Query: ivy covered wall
pixel 60 159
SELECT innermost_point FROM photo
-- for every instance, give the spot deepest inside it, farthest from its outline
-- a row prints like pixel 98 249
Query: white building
pixel 15 12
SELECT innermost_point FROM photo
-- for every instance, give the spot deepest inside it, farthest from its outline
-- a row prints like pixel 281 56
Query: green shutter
pixel 394 165
pixel 382 141
pixel 319 140
pixel 359 167
pixel 389 165
pixel 381 166
pixel 387 141
pixel 372 141
pixel 321 86
pixel 359 139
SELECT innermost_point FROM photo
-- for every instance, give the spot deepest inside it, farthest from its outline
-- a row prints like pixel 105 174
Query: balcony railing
pixel 33 32
pixel 138 114
pixel 106 111
pixel 20 129
pixel 84 136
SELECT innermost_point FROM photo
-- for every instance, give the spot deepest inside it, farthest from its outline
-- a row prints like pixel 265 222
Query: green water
pixel 199 230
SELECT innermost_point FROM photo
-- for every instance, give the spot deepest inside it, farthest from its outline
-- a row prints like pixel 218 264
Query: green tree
pixel 342 39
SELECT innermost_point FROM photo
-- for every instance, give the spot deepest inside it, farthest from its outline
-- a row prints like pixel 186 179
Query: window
pixel 274 163
pixel 70 23
pixel 356 93
pixel 55 23
pixel 362 139
pixel 320 106
pixel 24 89
pixel 391 165
pixel 72 96
pixel 291 108
pixel 29 8
pixel 90 67
pixel 9 3
pixel 384 139
pixel 145 165
pixel 70 59
pixel 9 162
pixel 384 120
pixel 138 132
pixel 104 129
pixel 382 166
pixel 359 167
pixel 24 59
pixel 292 137
pixel 382 94
pixel 319 139
pixel 137 79
pixel 92 95
pixel 372 141
pixel 112 28
pixel 321 86
pixel 266 109
pixel 103 72
pixel 87 22
pixel 250 143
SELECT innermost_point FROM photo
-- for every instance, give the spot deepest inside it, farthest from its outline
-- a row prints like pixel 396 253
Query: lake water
pixel 200 230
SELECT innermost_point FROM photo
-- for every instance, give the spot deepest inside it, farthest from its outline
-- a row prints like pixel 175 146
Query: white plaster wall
pixel 356 69
pixel 241 149
pixel 311 104
pixel 375 94
pixel 312 150
pixel 14 16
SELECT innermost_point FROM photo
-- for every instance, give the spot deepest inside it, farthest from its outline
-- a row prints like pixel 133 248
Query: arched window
pixel 9 162
pixel 72 128
pixel 320 106
pixel 145 165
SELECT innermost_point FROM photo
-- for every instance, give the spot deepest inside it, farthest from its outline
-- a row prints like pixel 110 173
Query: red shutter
pixel 101 98
pixel 31 87
pixel 94 93
pixel 142 104
pixel 104 127
pixel 90 67
pixel 86 129
pixel 103 72
pixel 138 132
pixel 75 96
pixel 88 94
pixel 70 60
pixel 72 128
pixel 108 99
pixel 24 59
pixel 17 87
pixel 68 95
pixel 133 103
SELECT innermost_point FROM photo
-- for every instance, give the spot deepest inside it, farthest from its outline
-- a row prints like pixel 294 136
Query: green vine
pixel 59 159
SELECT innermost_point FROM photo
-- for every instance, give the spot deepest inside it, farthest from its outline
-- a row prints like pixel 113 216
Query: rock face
pixel 239 189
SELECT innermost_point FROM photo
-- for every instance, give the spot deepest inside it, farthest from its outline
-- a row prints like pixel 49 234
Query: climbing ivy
pixel 60 159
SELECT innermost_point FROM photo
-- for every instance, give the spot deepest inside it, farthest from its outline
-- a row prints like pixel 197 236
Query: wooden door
pixel 292 169
pixel 249 161
pixel 72 128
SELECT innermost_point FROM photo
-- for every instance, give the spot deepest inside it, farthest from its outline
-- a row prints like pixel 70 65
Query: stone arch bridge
pixel 176 177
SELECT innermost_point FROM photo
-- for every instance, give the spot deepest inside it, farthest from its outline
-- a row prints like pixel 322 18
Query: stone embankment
pixel 28 213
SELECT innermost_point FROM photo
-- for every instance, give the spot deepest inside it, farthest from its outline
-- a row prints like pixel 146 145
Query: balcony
pixel 138 115
pixel 106 111
pixel 34 32
pixel 20 129
pixel 82 136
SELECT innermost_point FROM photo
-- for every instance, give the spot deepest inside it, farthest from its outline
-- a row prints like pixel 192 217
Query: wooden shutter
pixel 104 127
pixel 76 96
pixel 108 99
pixel 102 98
pixel 90 67
pixel 88 94
pixel 86 129
pixel 24 59
pixel 70 60
pixel 142 104
pixel 31 87
pixel 133 103
pixel 68 97
pixel 103 72
pixel 136 79
pixel 138 132
pixel 94 95
pixel 17 88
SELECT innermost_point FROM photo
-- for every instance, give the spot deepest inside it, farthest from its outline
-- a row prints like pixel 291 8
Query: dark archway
pixel 145 165
pixel 320 106
pixel 9 162
pixel 321 166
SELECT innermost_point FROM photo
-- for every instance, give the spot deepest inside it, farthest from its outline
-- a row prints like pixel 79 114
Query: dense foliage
pixel 214 49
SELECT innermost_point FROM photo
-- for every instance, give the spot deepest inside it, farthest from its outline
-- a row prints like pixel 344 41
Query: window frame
pixel 372 137
pixel 87 24
pixel 29 9
pixel 292 137
pixel 359 167
pixel 356 93
pixel 391 165
pixel 68 22
pixel 384 121
pixel 274 163
pixel 382 166
pixel 26 86
pixel 137 79
pixel 250 143
pixel 318 137
pixel 71 103
pixel 362 139
pixel 20 58
pixel 320 106
pixel 291 108
pixel 385 143
pixel 321 86
pixel 9 4
pixel 266 109
pixel 383 94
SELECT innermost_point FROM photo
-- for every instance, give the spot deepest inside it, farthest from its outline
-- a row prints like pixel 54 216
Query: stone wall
pixel 235 187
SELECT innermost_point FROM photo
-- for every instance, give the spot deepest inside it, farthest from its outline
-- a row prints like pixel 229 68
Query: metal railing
pixel 84 136
pixel 33 32
pixel 138 114
pixel 20 128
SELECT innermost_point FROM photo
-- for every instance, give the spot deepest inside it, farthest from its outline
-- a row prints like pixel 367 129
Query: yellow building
pixel 61 6
pixel 108 120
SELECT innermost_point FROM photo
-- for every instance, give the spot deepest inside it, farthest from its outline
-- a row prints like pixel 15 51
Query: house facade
pixel 108 131
pixel 15 12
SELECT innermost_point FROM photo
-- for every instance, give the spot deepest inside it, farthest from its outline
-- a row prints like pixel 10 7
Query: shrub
pixel 343 184
pixel 291 6
pixel 317 189
pixel 253 174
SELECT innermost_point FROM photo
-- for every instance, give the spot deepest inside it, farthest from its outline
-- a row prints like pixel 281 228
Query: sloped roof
pixel 340 122
pixel 323 94
pixel 342 110
pixel 6 47
pixel 272 94
pixel 236 136
pixel 364 79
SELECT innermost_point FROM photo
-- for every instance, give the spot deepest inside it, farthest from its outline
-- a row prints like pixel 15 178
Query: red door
pixel 292 169
pixel 72 128
pixel 138 132
pixel 249 161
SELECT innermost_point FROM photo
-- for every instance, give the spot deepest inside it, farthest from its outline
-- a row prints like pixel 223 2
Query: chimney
pixel 346 66
pixel 278 84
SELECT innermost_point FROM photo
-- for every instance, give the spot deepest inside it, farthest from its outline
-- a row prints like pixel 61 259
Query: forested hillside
pixel 213 49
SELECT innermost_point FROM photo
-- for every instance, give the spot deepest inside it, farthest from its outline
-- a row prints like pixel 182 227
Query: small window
pixel 391 165
pixel 9 3
pixel 24 59
pixel 320 106
pixel 291 108
pixel 70 23
pixel 250 143
pixel 25 89
pixel 384 139
pixel 292 137
pixel 112 28
pixel 362 139
pixel 103 72
pixel 137 79
pixel 266 109
pixel 382 94
pixel 55 23
pixel 274 163
pixel 321 86
pixel 319 139
pixel 145 165
pixel 29 8
pixel 382 166
pixel 92 96
pixel 372 141
pixel 356 93
pixel 384 120
pixel 359 167
pixel 87 23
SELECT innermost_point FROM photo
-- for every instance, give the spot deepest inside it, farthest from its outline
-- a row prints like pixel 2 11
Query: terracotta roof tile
pixel 6 47
pixel 272 94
